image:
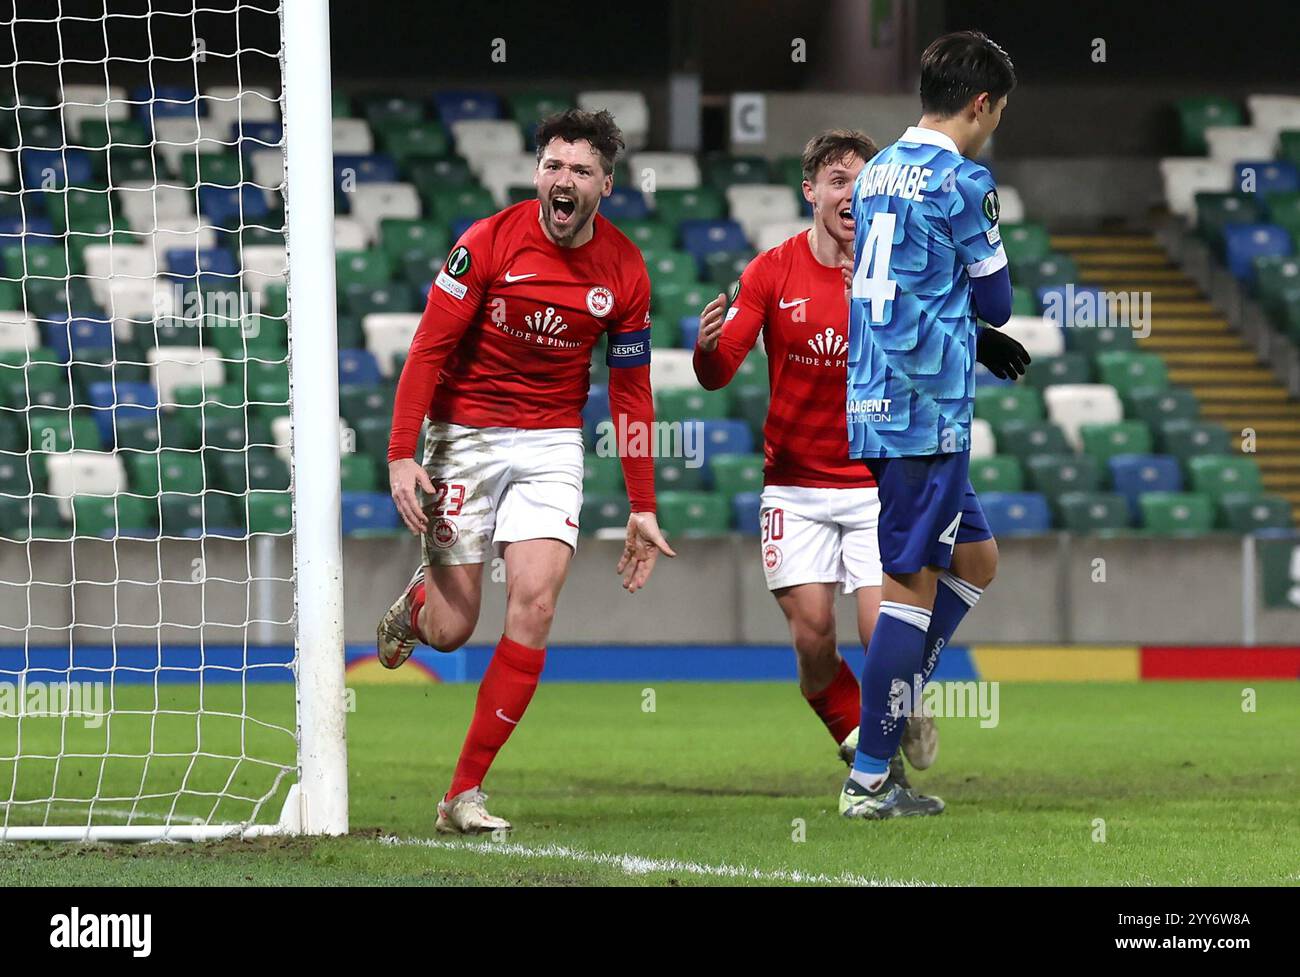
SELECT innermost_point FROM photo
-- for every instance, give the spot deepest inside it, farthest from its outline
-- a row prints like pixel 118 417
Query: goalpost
pixel 171 589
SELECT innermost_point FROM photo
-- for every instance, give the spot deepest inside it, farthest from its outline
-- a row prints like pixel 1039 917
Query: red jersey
pixel 799 305
pixel 506 337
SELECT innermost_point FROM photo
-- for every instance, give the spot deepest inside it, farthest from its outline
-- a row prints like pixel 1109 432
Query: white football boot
pixel 395 639
pixel 465 814
pixel 920 741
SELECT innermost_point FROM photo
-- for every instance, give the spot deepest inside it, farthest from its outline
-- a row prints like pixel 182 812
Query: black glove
pixel 1005 358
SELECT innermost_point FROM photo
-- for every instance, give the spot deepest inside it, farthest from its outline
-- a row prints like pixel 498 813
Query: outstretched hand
pixel 644 544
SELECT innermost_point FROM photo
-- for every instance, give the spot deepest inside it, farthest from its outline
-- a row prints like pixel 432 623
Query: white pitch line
pixel 641 865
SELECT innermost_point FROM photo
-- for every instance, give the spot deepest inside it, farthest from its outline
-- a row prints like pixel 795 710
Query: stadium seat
pixel 1093 512
pixel 1026 438
pixel 1273 113
pixel 1025 242
pixel 258 468
pixel 1249 513
pixel 1000 473
pixel 746 512
pixel 1155 406
pixel 1134 474
pixel 754 204
pixel 604 511
pixel 672 368
pixel 1128 371
pixel 167 471
pixel 693 514
pixel 751 404
pixel 1073 405
pixel 667 267
pixel 1231 143
pixel 723 170
pixel 679 475
pixel 1041 337
pixel 700 238
pixel 1011 208
pixel 1103 441
pixel 982 442
pixel 772 235
pixel 1188 439
pixel 74 473
pixel 666 171
pixel 1002 404
pixel 481 140
pixel 623 203
pixel 1053 269
pixel 269 512
pixel 1016 513
pixel 501 173
pixel 1266 176
pixel 602 474
pixel 1197 113
pixel 111 516
pixel 649 235
pixel 1045 371
pixel 454 202
pixel 684 403
pixel 1243 243
pixel 529 108
pixel 32 518
pixel 453 106
pixel 406 142
pixel 1216 211
pixel 722 268
pixel 1176 513
pixel 352 137
pixel 674 206
pixel 725 437
pixel 1220 475
pixel 369 513
pixel 355 169
pixel 735 474
pixel 1058 475
pixel 184 515
pixel 1184 179
pixel 630 111
pixel 372 202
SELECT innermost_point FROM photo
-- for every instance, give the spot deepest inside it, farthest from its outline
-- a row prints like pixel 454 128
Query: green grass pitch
pixel 723 783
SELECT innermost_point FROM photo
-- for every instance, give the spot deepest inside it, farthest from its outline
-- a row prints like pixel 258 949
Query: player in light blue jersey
pixel 928 260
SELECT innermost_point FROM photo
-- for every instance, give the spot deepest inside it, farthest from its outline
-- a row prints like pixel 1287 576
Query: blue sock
pixel 953 598
pixel 894 659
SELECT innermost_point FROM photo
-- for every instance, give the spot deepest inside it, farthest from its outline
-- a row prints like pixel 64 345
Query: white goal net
pixel 154 677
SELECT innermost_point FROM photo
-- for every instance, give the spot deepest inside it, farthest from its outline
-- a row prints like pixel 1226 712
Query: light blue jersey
pixel 927 222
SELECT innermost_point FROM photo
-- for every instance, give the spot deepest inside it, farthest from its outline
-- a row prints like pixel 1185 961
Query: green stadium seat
pixel 1092 512
pixel 405 142
pixel 400 237
pixel 361 300
pixel 1277 281
pixel 733 474
pixel 340 105
pixel 649 235
pixel 1104 441
pixel 998 405
pixel 789 170
pixel 1214 211
pixel 269 512
pixel 181 514
pixel 750 404
pixel 436 173
pixel 1051 269
pixel 1155 406
pixel 1198 113
pixel 1248 513
pixel 372 436
pixel 100 133
pixel 1175 513
pixel 670 268
pixel 371 268
pixel 529 108
pixel 603 511
pixel 722 170
pixel 384 110
pixel 1045 371
pixel 1127 371
pixel 1026 438
pixel 1000 473
pixel 452 203
pixel 676 300
pixel 1058 475
pixel 1026 242
pixel 675 475
pixel 22 474
pixel 1284 211
pixel 61 430
pixel 357 473
pixel 356 403
pixel 1219 475
pixel 107 515
pixel 1288 142
pixel 701 203
pixel 1094 341
pixel 693 514
pixel 687 404
pixel 259 468
pixel 1024 302
pixel 722 268
pixel 217 169
pixel 81 210
pixel 36 261
pixel 166 471
pixel 31 518
pixel 602 474
pixel 137 434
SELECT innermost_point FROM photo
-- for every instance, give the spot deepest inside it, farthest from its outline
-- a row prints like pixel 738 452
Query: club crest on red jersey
pixel 600 301
pixel 548 322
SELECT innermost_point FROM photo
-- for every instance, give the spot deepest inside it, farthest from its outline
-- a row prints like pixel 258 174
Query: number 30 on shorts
pixel 773 524
pixel 949 535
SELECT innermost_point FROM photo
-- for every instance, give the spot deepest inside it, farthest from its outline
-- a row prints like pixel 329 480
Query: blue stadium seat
pixel 1243 243
pixel 1270 176
pixel 460 225
pixel 32 230
pixel 1132 475
pixel 701 238
pixel 745 512
pixel 65 336
pixel 231 207
pixel 253 136
pixel 216 264
pixel 729 437
pixel 368 511
pixel 453 106
pixel 116 403
pixel 70 166
pixel 624 204
pixel 1016 513
pixel 369 168
pixel 690 331
pixel 162 101
pixel 594 411
pixel 358 368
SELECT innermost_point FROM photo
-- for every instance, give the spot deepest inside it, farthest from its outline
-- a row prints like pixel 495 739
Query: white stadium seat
pixel 372 202
pixel 266 168
pixel 982 442
pixel 629 110
pixel 501 173
pixel 772 235
pixel 227 106
pixel 264 264
pixel 108 262
pixel 146 205
pixel 282 434
pixel 1011 209
pixel 139 299
pixel 183 366
pixel 177 136
pixel 181 233
pixel 7 172
pixel 673 369
pixel 18 331
pixel 670 171
pixel 84 473
pixel 1072 405
pixel 1039 335
pixel 479 140
pixel 1273 113
pixel 352 137
pixel 1233 143
pixel 82 102
pixel 755 204
pixel 387 334
pixel 350 234
pixel 1184 178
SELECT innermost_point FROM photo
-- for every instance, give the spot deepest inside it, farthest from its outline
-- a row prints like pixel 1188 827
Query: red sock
pixel 839 705
pixel 506 689
pixel 417 605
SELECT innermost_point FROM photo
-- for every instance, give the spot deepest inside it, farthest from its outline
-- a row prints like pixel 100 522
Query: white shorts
pixel 498 485
pixel 820 535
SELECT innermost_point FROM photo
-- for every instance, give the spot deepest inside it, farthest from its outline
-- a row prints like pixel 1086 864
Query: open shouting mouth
pixel 563 207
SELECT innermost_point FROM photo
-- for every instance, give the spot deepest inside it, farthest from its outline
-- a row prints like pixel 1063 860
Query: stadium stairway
pixel 1200 349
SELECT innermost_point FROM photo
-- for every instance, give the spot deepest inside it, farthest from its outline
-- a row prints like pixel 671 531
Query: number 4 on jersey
pixel 872 280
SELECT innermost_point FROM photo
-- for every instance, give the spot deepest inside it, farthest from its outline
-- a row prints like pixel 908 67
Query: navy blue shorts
pixel 927 506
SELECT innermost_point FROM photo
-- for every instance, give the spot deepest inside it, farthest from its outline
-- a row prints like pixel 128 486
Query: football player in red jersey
pixel 819 507
pixel 499 366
